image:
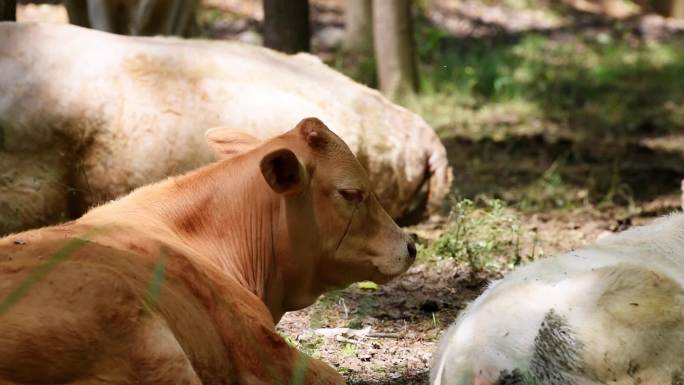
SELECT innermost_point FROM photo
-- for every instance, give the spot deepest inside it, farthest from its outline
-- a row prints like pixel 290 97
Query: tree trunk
pixel 678 9
pixel 77 10
pixel 134 17
pixel 8 10
pixel 358 42
pixel 660 7
pixel 358 27
pixel 394 52
pixel 164 17
pixel 286 25
pixel 109 15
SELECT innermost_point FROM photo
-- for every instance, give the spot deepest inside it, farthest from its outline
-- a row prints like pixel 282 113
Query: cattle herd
pixel 217 209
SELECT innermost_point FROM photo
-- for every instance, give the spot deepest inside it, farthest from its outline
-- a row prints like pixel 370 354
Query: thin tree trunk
pixel 661 7
pixel 109 16
pixel 286 25
pixel 357 45
pixel 78 12
pixel 164 17
pixel 358 27
pixel 8 10
pixel 394 52
pixel 135 17
pixel 678 9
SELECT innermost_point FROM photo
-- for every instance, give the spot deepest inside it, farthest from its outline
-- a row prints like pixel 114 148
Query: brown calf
pixel 183 281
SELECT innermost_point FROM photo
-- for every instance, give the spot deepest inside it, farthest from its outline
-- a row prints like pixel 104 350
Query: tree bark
pixel 286 25
pixel 678 9
pixel 358 27
pixel 135 17
pixel 394 48
pixel 661 7
pixel 164 17
pixel 110 15
pixel 8 10
pixel 77 10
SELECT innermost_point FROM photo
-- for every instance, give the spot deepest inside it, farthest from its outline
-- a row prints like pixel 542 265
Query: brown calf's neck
pixel 225 214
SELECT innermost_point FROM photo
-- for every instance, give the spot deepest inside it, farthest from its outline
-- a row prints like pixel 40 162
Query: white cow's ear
pixel 283 171
pixel 227 142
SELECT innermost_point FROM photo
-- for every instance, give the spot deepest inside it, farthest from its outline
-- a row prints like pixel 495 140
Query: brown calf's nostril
pixel 411 249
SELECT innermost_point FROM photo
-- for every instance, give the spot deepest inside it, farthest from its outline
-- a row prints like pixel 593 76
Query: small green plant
pixel 482 233
pixel 367 285
pixel 311 345
pixel 290 341
pixel 550 190
pixel 320 316
pixel 364 307
pixel 349 349
pixel 617 191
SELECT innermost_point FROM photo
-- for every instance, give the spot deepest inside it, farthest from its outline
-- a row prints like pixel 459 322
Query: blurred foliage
pixel 597 88
pixel 360 68
pixel 557 119
pixel 605 84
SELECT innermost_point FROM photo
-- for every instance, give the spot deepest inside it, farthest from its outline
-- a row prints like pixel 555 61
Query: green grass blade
pixel 40 273
pixel 300 369
pixel 155 285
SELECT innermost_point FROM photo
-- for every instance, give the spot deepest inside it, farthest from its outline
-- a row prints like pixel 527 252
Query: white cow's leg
pixel 33 190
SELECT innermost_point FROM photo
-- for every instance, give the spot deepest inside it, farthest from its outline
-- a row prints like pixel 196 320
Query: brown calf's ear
pixel 283 172
pixel 227 142
pixel 314 132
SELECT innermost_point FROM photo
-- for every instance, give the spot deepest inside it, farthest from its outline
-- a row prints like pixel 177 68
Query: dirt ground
pixel 387 334
pixel 396 327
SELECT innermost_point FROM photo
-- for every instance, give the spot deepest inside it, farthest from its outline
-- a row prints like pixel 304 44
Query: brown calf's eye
pixel 352 195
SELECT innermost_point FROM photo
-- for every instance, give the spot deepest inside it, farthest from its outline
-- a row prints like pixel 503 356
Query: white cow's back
pixel 134 110
pixel 619 302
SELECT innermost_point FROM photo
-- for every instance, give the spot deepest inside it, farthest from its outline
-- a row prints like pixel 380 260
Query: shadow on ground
pixel 543 174
pixel 420 378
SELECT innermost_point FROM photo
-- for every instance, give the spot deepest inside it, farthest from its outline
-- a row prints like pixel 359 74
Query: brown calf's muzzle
pixel 393 250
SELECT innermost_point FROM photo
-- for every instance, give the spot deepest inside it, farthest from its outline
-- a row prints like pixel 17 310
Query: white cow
pixel 609 313
pixel 86 116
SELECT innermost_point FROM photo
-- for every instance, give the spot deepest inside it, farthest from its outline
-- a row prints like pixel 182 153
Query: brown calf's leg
pixel 158 358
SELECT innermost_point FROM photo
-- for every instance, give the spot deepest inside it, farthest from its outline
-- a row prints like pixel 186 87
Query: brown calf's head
pixel 333 224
